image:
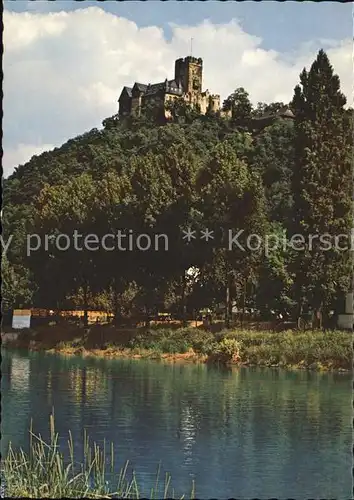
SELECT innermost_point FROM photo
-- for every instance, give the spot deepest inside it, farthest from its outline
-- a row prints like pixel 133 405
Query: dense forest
pixel 144 176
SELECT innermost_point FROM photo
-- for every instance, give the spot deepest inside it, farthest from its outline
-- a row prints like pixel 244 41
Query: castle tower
pixel 214 103
pixel 189 71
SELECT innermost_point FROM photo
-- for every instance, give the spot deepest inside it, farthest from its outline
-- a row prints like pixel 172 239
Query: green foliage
pixel 322 184
pixel 155 177
pixel 172 341
pixel 273 158
pixel 184 339
pixel 263 108
pixel 329 349
pixel 181 112
pixel 16 288
pixel 274 269
pixel 45 473
pixel 227 350
pixel 240 106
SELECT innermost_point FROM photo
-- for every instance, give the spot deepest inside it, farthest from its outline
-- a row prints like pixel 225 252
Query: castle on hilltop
pixel 187 84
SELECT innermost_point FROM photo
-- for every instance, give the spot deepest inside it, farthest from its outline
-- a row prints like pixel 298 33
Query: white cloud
pixel 63 72
pixel 20 154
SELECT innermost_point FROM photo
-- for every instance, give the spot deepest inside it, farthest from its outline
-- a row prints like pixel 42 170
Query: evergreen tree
pixel 322 185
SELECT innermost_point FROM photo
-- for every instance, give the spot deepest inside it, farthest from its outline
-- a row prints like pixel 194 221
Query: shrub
pixel 226 350
pixel 163 340
pixel 256 347
pixel 202 342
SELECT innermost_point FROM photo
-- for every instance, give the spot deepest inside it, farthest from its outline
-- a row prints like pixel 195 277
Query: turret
pixel 214 103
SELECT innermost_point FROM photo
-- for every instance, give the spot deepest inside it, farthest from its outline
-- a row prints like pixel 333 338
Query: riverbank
pixel 316 350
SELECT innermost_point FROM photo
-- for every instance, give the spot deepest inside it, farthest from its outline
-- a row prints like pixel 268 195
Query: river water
pixel 242 433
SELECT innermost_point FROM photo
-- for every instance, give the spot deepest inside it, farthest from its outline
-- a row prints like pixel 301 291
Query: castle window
pixel 195 84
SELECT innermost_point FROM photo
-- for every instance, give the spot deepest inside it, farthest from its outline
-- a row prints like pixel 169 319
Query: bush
pixel 261 347
pixel 226 350
pixel 164 340
pixel 202 342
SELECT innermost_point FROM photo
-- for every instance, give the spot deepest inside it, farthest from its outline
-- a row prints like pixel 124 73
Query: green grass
pixel 166 340
pixel 327 349
pixel 312 349
pixel 331 349
pixel 44 473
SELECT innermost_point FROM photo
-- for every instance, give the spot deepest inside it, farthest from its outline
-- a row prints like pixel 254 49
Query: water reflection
pixel 188 433
pixel 241 433
pixel 19 373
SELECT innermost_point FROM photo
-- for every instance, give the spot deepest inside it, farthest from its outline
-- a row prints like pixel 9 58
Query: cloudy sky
pixel 66 62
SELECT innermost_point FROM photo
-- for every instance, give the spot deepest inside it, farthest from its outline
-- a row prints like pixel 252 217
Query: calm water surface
pixel 241 433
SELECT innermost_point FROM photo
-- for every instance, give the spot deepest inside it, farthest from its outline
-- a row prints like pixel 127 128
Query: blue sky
pixel 65 62
pixel 282 26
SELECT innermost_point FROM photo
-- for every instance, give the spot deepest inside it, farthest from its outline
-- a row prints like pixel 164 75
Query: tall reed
pixel 44 472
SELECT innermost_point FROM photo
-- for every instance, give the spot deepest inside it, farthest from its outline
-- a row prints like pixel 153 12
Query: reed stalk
pixel 44 472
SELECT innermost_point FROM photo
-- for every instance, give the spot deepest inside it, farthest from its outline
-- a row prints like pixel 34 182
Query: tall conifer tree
pixel 322 185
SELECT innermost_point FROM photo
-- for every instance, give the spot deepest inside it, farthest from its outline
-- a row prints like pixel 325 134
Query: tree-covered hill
pixel 141 175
